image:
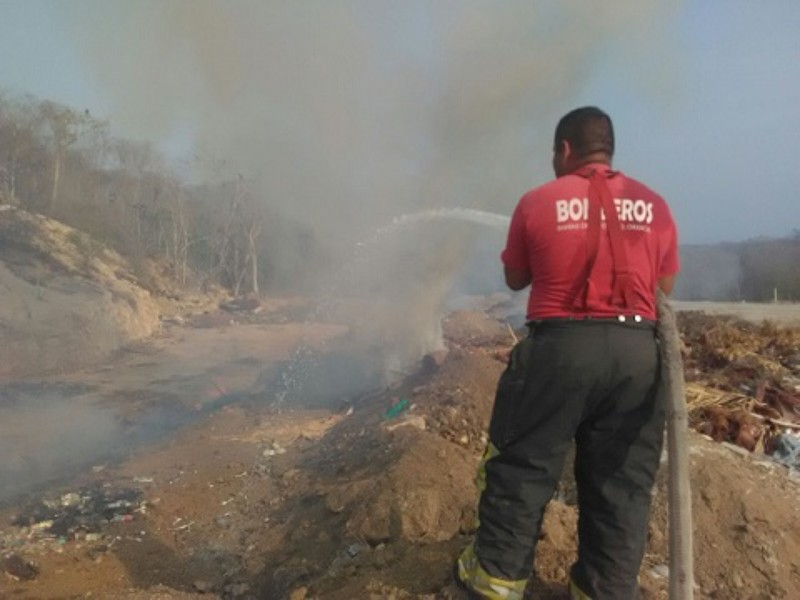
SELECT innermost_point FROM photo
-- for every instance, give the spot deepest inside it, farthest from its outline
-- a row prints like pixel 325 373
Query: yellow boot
pixel 484 585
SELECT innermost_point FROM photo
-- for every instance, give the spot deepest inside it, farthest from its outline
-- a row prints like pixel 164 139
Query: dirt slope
pixel 65 299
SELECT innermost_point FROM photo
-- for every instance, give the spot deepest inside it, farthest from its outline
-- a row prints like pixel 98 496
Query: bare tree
pixel 23 156
pixel 66 128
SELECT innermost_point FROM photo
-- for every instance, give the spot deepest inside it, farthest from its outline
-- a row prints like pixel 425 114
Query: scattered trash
pixel 417 421
pixel 71 499
pixel 77 515
pixel 143 480
pixel 184 526
pixel 122 518
pixel 786 449
pixel 396 409
pixel 274 449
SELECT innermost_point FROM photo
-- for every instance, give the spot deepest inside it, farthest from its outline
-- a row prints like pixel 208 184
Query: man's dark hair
pixel 588 131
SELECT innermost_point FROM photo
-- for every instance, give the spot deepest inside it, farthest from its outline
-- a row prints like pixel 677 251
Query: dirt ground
pixel 239 496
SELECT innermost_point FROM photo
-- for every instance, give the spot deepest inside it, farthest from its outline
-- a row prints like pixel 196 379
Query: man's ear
pixel 566 150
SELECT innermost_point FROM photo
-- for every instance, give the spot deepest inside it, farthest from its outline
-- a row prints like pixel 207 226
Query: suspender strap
pixel 601 204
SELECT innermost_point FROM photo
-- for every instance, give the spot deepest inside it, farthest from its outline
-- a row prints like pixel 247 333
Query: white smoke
pixel 355 111
pixel 347 114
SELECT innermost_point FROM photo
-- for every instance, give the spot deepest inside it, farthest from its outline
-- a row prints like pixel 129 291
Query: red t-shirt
pixel 548 237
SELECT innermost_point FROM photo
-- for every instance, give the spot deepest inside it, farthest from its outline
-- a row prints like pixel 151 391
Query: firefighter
pixel 594 245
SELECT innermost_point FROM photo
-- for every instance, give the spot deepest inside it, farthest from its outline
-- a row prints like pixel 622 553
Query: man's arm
pixel 666 283
pixel 517 279
pixel 515 256
pixel 670 262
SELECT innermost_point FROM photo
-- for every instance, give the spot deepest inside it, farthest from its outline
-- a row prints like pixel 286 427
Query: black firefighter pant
pixel 595 382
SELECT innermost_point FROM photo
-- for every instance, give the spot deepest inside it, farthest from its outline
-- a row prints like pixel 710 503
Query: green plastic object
pixel 396 409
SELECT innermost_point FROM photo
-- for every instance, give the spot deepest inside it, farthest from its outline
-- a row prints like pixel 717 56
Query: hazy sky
pixel 705 95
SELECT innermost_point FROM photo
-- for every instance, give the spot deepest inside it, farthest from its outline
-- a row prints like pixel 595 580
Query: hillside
pixel 65 299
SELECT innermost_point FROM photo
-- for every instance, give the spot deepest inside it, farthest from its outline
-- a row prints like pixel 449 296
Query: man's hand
pixel 517 279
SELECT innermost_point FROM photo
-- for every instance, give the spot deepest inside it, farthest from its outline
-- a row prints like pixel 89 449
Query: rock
pixel 417 421
pixel 173 319
pixel 203 586
pixel 18 568
pixel 248 304
pixel 434 360
pixel 353 550
pixel 222 522
pixel 236 590
pixel 660 571
pixel 298 593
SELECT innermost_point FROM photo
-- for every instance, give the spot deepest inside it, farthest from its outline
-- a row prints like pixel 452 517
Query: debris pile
pixel 743 382
pixel 80 515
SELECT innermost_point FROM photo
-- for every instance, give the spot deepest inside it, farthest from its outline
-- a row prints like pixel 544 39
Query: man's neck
pixel 593 159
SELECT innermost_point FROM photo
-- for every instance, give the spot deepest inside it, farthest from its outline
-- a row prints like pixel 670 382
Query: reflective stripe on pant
pixel 479 581
pixel 596 383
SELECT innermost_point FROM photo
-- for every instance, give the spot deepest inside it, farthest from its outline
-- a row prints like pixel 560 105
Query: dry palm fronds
pixel 699 397
pixel 742 378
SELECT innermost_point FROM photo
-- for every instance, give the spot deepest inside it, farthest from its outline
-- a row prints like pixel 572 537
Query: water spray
pixel 306 364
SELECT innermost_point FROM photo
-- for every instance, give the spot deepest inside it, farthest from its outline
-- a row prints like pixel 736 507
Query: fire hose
pixel 681 574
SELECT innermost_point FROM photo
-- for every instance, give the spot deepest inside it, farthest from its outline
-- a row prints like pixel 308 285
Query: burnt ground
pixel 370 497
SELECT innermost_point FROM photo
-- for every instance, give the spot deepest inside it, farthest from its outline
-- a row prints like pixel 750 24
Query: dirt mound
pixel 68 300
pixel 404 499
pixel 746 526
pixel 473 328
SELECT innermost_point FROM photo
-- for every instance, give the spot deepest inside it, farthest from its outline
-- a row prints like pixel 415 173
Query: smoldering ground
pixel 52 431
pixel 45 434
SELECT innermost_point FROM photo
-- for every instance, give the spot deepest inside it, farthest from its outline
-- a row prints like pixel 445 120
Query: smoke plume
pixel 347 114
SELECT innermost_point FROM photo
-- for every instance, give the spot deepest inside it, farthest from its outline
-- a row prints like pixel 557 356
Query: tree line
pixel 756 270
pixel 66 164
